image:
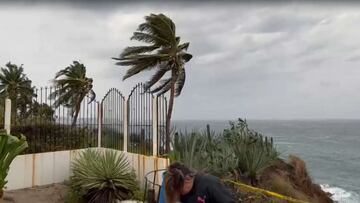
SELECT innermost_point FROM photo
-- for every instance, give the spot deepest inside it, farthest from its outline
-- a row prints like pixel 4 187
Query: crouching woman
pixel 183 185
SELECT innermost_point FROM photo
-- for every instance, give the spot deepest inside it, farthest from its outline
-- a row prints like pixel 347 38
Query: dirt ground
pixel 45 194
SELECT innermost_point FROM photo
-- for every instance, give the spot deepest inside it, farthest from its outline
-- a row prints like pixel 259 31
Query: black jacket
pixel 208 189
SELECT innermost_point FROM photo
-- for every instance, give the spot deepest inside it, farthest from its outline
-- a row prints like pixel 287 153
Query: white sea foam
pixel 340 195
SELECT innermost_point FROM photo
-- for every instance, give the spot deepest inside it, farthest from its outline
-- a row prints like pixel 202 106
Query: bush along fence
pixel 49 128
pixel 135 124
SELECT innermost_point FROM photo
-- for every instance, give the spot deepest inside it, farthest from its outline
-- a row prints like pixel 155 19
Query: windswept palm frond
pixel 163 84
pixel 184 46
pixel 158 25
pixel 137 50
pixel 168 86
pixel 180 81
pixel 149 38
pixel 185 57
pixel 163 52
pixel 92 96
pixel 155 78
pixel 72 86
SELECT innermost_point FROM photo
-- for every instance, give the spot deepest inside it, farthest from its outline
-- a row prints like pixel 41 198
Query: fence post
pixel 155 125
pixel 7 117
pixel 126 121
pixel 100 119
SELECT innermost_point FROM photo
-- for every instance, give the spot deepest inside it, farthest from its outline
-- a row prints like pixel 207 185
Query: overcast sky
pixel 255 61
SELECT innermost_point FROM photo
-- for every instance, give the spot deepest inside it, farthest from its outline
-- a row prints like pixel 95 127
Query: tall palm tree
pixel 164 53
pixel 15 85
pixel 71 87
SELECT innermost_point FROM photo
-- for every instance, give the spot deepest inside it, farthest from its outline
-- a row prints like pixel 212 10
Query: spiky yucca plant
pixel 10 147
pixel 102 176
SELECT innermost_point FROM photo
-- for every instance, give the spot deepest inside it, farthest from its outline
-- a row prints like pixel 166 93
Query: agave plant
pixel 102 176
pixel 203 151
pixel 189 148
pixel 238 150
pixel 10 147
pixel 254 151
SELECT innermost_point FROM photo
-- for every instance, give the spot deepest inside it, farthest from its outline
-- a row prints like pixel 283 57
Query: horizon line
pixel 267 119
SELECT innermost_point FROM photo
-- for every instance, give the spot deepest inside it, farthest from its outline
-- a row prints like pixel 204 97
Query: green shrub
pixel 237 151
pixel 139 143
pixel 254 151
pixel 49 136
pixel 138 195
pixel 203 151
pixel 10 147
pixel 102 176
pixel 189 149
pixel 112 138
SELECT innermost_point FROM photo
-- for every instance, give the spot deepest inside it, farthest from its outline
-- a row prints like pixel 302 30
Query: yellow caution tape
pixel 266 192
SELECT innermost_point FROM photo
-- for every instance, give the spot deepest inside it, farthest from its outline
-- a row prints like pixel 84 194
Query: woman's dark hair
pixel 174 180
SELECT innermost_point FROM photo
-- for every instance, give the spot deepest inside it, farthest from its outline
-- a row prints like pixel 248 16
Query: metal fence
pixel 112 125
pixel 49 129
pixel 136 124
pixel 161 124
pixel 135 120
pixel 2 113
pixel 140 126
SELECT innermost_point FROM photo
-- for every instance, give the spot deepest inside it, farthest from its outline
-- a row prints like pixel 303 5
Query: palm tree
pixel 15 85
pixel 71 87
pixel 164 53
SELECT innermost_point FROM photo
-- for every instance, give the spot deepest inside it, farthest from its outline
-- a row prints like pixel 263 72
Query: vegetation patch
pixel 244 155
pixel 101 176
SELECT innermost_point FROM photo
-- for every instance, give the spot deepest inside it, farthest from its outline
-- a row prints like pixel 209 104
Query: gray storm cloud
pixel 256 61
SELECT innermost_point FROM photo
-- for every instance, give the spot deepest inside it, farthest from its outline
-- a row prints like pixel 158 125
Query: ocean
pixel 330 148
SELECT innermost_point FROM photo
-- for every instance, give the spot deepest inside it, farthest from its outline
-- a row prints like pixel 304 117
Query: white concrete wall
pixel 54 167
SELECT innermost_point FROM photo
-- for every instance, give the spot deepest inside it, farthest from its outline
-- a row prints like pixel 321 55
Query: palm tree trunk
pixel 1 194
pixel 13 111
pixel 168 117
pixel 77 110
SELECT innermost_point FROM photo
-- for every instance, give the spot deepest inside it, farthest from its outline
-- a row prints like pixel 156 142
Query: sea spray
pixel 340 195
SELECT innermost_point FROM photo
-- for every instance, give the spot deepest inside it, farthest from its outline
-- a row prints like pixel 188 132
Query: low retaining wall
pixel 54 167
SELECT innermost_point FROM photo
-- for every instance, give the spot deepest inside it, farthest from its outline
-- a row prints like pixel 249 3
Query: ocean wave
pixel 340 195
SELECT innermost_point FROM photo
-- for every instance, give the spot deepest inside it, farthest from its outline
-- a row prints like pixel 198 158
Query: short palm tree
pixel 71 87
pixel 15 85
pixel 164 53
